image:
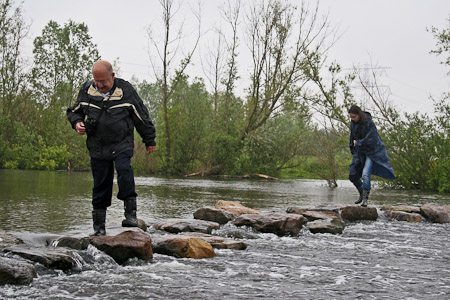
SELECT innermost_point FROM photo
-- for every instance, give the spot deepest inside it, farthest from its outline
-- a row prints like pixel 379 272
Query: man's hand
pixel 150 149
pixel 79 127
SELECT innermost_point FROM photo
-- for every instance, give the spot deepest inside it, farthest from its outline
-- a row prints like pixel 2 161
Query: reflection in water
pixel 381 259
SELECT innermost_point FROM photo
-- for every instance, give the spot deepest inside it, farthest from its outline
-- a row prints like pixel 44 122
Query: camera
pixel 90 124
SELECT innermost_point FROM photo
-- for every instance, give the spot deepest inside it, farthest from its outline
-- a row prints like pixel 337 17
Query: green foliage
pixel 440 175
pixel 275 146
pixel 330 150
pixel 442 37
pixel 18 149
pixel 63 58
pixel 51 157
pixel 419 153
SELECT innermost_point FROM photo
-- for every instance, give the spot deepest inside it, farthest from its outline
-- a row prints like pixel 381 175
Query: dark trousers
pixel 103 173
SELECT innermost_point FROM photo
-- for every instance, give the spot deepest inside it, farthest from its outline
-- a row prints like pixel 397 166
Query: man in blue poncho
pixel 369 153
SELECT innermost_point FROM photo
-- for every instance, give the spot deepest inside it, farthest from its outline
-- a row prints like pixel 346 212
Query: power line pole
pixel 368 75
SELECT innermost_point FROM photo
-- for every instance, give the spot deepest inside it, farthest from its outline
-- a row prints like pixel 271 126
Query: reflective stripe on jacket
pixel 116 117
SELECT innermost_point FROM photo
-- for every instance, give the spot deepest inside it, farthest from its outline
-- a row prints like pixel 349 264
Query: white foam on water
pixel 340 280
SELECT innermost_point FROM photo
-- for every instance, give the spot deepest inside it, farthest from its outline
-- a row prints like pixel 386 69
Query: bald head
pixel 102 65
pixel 103 75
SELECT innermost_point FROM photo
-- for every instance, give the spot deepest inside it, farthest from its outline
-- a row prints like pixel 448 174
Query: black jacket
pixel 115 116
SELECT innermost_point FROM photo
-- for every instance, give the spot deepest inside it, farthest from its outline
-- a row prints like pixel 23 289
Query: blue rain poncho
pixel 368 143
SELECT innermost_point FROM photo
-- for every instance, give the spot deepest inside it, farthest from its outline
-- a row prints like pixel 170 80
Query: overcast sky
pixel 387 33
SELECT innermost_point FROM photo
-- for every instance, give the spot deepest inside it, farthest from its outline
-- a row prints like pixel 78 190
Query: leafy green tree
pixel 63 58
pixel 277 145
pixel 329 99
pixel 191 115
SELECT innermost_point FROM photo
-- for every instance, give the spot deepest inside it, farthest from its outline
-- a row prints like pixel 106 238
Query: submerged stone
pixel 72 243
pixel 217 242
pixel 404 208
pixel 7 239
pixel 403 216
pixel 333 226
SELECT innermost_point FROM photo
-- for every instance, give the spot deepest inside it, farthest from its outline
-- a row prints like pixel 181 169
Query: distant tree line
pixel 291 121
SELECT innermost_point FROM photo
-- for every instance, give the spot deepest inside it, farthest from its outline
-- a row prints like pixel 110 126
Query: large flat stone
pixel 126 245
pixel 235 207
pixel 187 225
pixel 436 213
pixel 182 246
pixel 359 213
pixel 280 224
pixel 212 214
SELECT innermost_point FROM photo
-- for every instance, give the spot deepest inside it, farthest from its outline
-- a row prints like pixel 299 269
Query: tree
pixel 442 42
pixel 63 58
pixel 170 77
pixel 280 37
pixel 13 31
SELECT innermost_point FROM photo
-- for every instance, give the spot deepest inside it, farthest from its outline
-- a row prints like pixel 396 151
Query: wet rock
pixel 234 232
pixel 331 225
pixel 142 225
pixel 436 213
pixel 217 241
pixel 359 213
pixel 13 271
pixel 403 216
pixel 7 239
pixel 187 225
pixel 280 224
pixel 126 245
pixel 72 243
pixel 49 258
pixel 235 208
pixel 312 214
pixel 182 246
pixel 220 216
pixel 404 208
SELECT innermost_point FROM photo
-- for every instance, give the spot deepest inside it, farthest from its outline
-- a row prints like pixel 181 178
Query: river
pixel 383 259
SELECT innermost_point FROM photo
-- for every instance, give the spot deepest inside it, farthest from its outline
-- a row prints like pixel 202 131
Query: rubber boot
pixel 360 190
pixel 130 213
pixel 99 218
pixel 365 198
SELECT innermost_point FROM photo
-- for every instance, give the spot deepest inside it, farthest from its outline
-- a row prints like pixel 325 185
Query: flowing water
pixel 383 259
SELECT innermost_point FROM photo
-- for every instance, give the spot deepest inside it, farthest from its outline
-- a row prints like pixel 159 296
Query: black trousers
pixel 103 173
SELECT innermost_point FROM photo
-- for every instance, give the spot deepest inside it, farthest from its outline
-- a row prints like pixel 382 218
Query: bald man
pixel 107 110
